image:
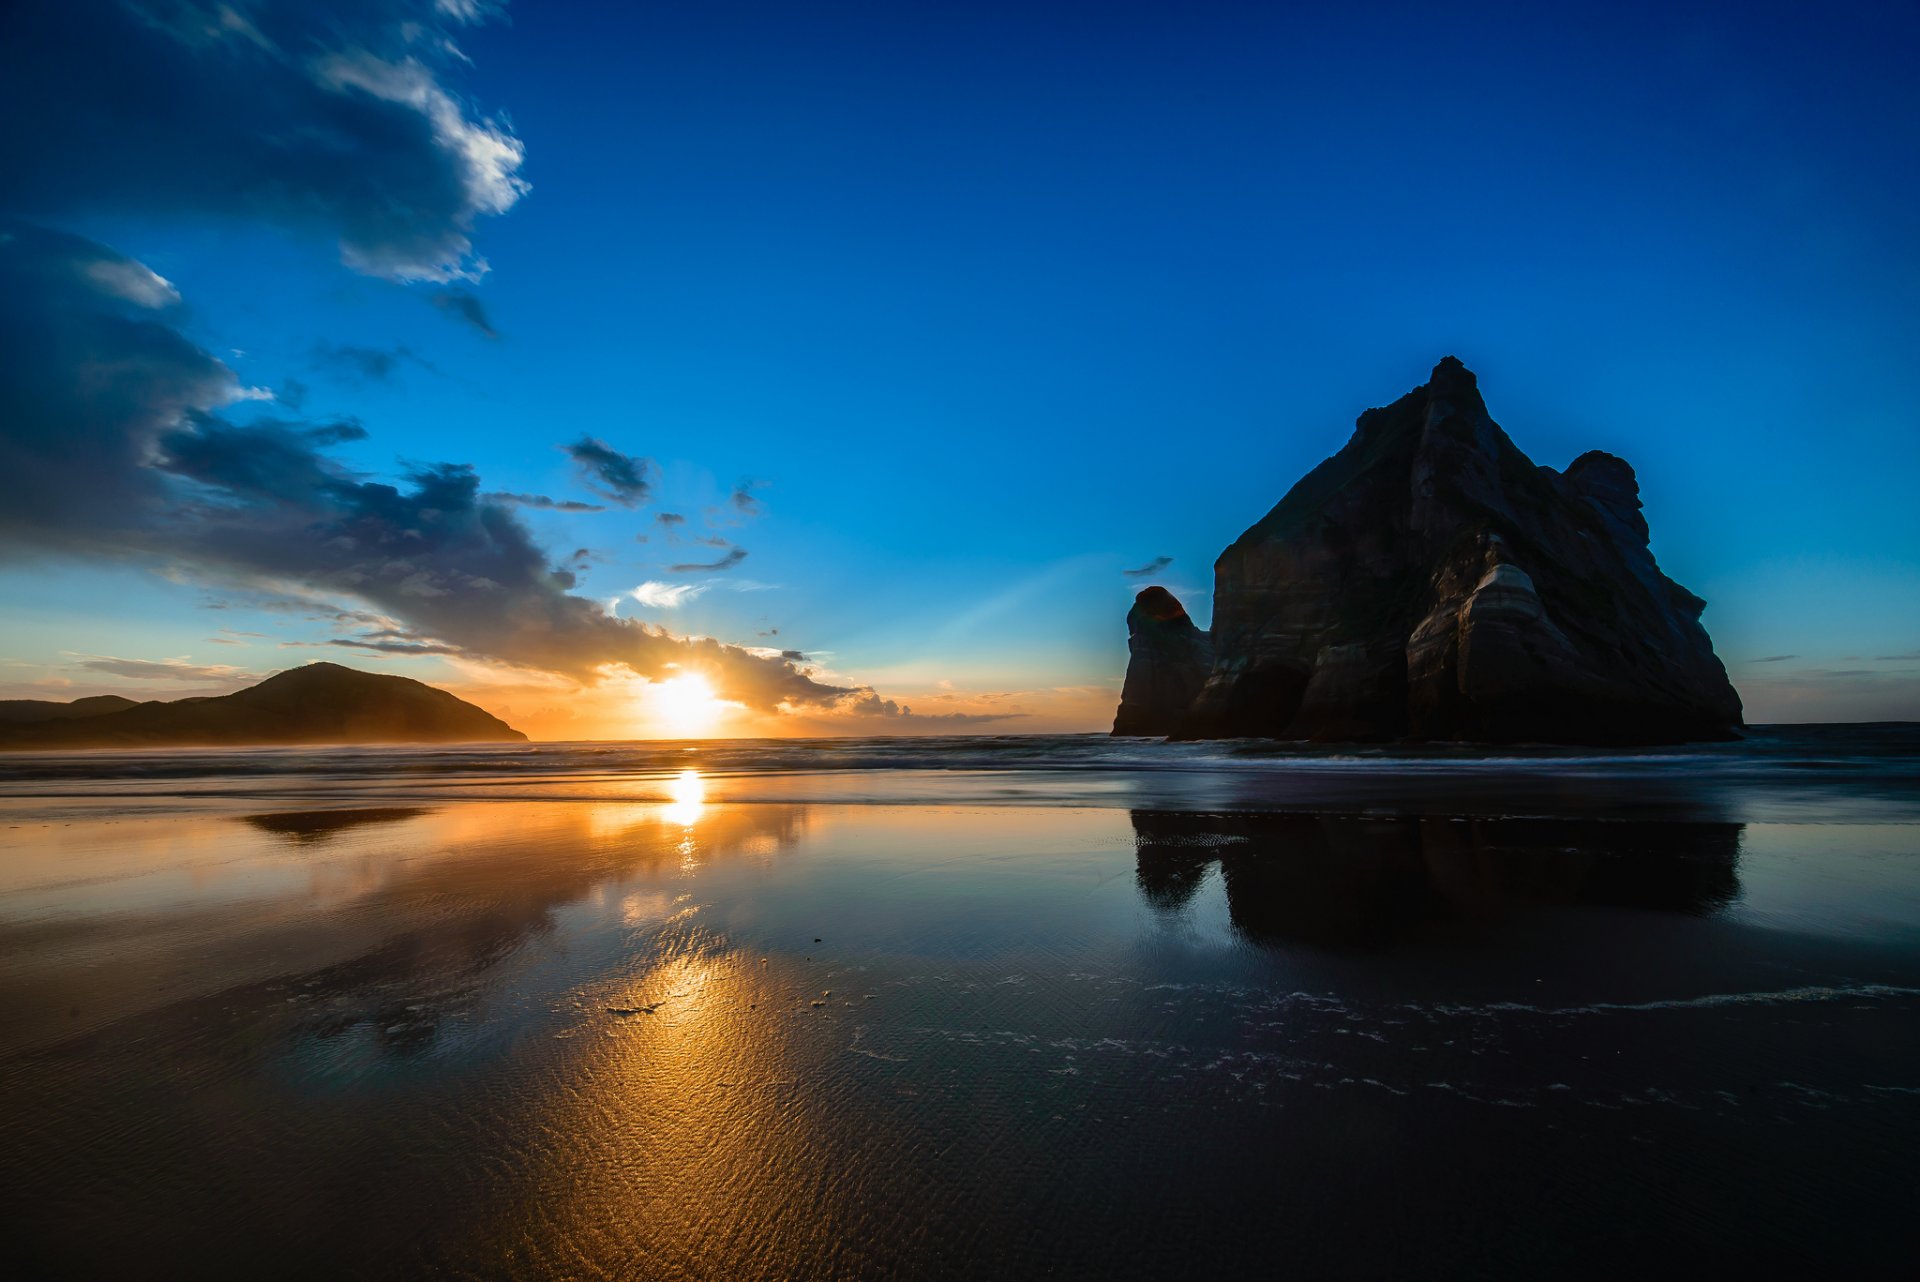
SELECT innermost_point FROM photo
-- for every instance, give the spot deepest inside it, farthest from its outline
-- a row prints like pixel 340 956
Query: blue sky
pixel 991 302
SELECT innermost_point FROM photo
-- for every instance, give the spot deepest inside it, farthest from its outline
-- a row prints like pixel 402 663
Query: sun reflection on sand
pixel 689 794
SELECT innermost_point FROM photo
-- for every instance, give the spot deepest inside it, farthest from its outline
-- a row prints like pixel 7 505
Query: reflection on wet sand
pixel 307 826
pixel 423 901
pixel 693 1036
pixel 1366 881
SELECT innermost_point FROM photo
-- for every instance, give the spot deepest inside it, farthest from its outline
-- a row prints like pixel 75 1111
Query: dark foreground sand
pixel 695 1035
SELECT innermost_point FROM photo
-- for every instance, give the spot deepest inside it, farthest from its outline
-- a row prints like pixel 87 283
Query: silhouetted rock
pixel 320 703
pixel 1430 582
pixel 1168 661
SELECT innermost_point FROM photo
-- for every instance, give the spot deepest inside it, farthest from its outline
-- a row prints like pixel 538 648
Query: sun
pixel 684 706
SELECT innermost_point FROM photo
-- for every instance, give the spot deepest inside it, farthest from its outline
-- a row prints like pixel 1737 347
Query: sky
pixel 847 357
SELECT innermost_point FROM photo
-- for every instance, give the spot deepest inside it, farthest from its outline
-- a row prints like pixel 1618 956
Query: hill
pixel 320 703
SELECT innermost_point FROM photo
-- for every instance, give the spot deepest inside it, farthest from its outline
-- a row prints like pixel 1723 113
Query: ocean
pixel 1021 1006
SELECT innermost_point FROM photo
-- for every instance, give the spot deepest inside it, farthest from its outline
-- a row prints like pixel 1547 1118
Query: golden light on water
pixel 689 793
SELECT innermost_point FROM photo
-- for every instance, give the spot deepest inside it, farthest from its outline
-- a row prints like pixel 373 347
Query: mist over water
pixel 1051 1007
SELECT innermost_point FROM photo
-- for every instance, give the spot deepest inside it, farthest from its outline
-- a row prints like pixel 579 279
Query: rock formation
pixel 1168 661
pixel 1430 582
pixel 320 703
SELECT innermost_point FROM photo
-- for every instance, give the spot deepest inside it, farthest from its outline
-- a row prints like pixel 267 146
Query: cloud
pixel 114 442
pixel 465 306
pixel 726 562
pixel 670 520
pixel 360 364
pixel 609 473
pixel 162 669
pixel 865 703
pixel 327 119
pixel 1774 658
pixel 91 373
pixel 376 646
pixel 666 596
pixel 743 500
pixel 1154 566
pixel 542 502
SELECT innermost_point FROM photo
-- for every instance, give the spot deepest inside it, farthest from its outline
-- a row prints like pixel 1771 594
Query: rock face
pixel 1168 662
pixel 1430 582
pixel 320 703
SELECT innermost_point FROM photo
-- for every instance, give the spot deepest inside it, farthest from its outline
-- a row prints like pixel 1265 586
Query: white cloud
pixel 666 596
pixel 488 158
pixel 132 282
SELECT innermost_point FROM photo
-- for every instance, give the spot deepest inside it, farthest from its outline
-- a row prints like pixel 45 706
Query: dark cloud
pixel 332 119
pixel 291 392
pixel 743 500
pixel 542 502
pixel 670 519
pixel 714 541
pixel 116 440
pixel 376 646
pixel 794 656
pixel 465 306
pixel 726 562
pixel 608 472
pixel 91 373
pixel 363 364
pixel 1774 658
pixel 1154 566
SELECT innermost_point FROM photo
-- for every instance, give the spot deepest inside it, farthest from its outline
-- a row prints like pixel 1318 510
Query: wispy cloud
pixel 743 499
pixel 1154 566
pixel 541 501
pixel 666 596
pixel 726 562
pixel 162 669
pixel 609 473
pixel 865 704
pixel 465 306
pixel 361 364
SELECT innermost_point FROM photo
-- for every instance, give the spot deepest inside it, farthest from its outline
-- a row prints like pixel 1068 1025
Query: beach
pixel 1020 1006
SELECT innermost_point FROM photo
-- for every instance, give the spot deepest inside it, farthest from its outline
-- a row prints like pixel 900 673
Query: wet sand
pixel 701 1035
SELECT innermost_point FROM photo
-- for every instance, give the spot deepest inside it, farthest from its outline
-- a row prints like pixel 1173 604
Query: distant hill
pixel 320 703
pixel 23 711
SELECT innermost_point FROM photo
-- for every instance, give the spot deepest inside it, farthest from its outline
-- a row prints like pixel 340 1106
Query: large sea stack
pixel 1429 582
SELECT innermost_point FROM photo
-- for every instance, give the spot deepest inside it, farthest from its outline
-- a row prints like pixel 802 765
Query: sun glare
pixel 684 706
pixel 689 795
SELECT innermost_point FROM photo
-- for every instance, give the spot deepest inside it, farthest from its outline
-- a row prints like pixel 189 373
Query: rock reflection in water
pixel 1365 881
pixel 305 827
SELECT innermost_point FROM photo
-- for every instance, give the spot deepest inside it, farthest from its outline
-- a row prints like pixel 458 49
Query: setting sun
pixel 684 706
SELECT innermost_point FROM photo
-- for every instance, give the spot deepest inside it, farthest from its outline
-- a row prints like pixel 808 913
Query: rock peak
pixel 1430 582
pixel 1453 381
pixel 1158 605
